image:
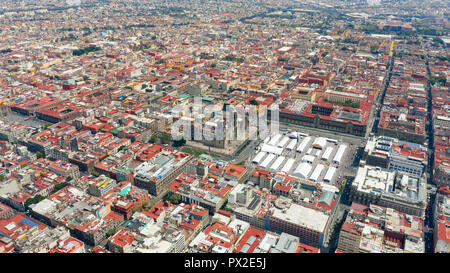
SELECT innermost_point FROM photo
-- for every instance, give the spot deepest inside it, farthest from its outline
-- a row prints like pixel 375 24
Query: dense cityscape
pixel 90 92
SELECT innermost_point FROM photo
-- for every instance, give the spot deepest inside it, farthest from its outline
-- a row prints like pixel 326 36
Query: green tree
pixel 441 80
pixel 165 138
pixel 79 52
pixel 153 138
pixel 179 143
pixel 59 187
pixel 136 209
pixel 33 200
pixel 242 163
pixel 194 152
pixel 111 232
pixel 39 154
pixel 172 198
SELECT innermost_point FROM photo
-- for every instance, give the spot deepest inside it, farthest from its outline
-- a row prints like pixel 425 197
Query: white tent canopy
pixel 303 144
pixel 329 175
pixel 291 144
pixel 302 170
pixel 271 149
pixel 308 158
pixel 327 153
pixel 276 165
pixel 258 157
pixel 316 173
pixel 339 154
pixel 267 161
pixel 288 165
pixel 275 139
pixel 320 143
pixel 282 142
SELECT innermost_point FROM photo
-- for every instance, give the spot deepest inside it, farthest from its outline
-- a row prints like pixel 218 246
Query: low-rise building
pixel 377 229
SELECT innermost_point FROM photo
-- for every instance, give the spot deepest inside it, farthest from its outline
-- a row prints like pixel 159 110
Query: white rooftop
pixel 44 207
pixel 303 216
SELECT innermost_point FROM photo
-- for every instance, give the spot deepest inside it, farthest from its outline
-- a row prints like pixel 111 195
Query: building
pixel 121 241
pixel 87 217
pixel 398 190
pixel 125 198
pixel 441 170
pixel 441 231
pixel 101 185
pixel 349 238
pixel 208 193
pixel 156 174
pixel 6 245
pixel 377 229
pixel 5 211
pixel 65 169
pixel 441 238
pixel 57 240
pixel 20 227
pixel 310 225
pixel 400 125
pixel 255 240
pixel 190 219
pixel 153 238
pixel 218 238
pixel 393 154
pixel 241 194
pixel 30 107
pixel 59 113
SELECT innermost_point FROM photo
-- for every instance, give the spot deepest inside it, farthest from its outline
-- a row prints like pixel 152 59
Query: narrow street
pixel 429 217
pixel 380 100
